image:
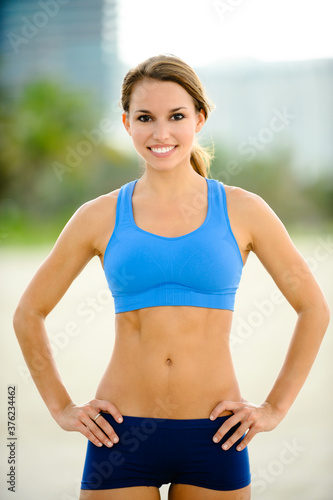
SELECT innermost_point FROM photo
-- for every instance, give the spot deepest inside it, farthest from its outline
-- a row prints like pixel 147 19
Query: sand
pixel 293 462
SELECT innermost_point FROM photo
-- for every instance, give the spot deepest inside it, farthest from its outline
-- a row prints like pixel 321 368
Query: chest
pixel 202 260
pixel 171 219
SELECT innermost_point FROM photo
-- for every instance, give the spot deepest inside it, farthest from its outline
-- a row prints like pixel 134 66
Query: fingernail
pixel 225 446
pixel 120 419
pixel 115 439
pixel 215 439
pixel 212 417
pixel 239 448
pixel 109 444
pixel 99 444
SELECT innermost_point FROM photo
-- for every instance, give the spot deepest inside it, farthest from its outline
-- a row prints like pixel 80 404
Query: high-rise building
pixel 262 107
pixel 76 42
pixel 71 41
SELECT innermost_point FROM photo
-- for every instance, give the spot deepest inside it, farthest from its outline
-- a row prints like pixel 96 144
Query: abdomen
pixel 170 362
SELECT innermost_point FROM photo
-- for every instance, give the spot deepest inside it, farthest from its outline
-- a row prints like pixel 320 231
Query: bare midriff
pixel 170 362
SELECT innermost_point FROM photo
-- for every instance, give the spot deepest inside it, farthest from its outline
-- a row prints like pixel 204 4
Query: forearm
pixel 31 334
pixel 307 337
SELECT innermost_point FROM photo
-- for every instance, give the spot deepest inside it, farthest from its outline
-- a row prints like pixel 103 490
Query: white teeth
pixel 162 150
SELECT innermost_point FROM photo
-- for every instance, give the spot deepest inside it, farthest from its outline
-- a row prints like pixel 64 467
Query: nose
pixel 161 131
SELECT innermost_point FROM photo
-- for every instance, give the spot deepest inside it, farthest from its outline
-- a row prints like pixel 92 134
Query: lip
pixel 160 146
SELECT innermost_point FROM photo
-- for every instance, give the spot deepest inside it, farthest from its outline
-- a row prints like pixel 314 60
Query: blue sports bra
pixel 202 268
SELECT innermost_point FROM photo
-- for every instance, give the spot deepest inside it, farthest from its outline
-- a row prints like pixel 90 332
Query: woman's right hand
pixel 81 418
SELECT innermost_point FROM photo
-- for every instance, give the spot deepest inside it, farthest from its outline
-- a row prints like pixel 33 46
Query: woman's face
pixel 162 122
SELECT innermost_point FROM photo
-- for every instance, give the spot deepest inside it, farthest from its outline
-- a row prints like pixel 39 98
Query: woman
pixel 172 243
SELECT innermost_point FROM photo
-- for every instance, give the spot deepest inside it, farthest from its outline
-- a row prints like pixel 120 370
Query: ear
pixel 126 122
pixel 201 119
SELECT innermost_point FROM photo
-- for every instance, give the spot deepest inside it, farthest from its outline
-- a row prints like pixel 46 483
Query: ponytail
pixel 201 158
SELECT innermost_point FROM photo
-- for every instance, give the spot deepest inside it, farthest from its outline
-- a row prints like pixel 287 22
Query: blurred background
pixel 268 68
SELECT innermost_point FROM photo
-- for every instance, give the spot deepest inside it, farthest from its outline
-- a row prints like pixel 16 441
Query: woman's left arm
pixel 274 248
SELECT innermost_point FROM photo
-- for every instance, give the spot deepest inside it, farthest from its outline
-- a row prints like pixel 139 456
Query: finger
pixel 225 427
pixel 107 429
pixel 222 406
pixel 110 408
pixel 236 436
pixel 103 405
pixel 95 430
pixel 81 427
pixel 245 441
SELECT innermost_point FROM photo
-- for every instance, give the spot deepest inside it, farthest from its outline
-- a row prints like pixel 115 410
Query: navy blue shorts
pixel 156 451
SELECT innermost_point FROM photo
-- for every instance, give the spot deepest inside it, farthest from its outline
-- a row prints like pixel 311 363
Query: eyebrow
pixel 146 111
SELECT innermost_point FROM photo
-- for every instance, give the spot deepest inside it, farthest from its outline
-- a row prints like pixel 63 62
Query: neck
pixel 170 184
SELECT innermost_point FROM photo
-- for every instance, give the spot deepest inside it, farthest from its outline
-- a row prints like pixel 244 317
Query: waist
pixel 173 365
pixel 171 423
pixel 167 402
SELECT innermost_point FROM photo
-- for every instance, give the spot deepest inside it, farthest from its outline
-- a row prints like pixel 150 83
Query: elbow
pixel 322 311
pixel 19 318
pixel 24 319
pixel 319 310
pixel 326 313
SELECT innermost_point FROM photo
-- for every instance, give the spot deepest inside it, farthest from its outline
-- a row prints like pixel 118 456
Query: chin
pixel 161 168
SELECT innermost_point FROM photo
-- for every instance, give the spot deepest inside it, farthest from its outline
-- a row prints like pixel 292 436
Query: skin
pixel 151 361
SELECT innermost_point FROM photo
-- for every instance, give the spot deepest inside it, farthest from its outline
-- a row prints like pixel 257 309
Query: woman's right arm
pixel 76 245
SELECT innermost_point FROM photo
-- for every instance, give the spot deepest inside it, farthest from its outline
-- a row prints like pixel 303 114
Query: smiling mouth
pixel 162 150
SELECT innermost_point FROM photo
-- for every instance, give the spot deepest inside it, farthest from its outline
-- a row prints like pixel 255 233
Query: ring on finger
pixel 95 418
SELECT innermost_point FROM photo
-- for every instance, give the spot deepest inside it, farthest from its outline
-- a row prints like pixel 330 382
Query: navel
pixel 168 361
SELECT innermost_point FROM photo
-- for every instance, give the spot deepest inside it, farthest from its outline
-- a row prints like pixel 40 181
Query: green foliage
pixel 45 173
pixel 272 178
pixel 48 166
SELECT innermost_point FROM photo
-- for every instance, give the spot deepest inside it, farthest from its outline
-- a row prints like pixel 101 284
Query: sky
pixel 204 32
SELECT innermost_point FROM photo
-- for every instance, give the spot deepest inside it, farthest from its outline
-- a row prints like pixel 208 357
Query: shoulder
pixel 97 206
pixel 96 209
pixel 246 203
pixel 251 212
pixel 91 222
pixel 239 196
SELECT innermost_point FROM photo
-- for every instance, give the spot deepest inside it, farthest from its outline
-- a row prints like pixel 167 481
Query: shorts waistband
pixel 170 423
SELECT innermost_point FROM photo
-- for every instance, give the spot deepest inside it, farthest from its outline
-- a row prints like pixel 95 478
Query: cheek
pixel 138 134
pixel 187 133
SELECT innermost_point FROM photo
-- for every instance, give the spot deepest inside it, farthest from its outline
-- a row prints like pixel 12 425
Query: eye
pixel 177 117
pixel 144 118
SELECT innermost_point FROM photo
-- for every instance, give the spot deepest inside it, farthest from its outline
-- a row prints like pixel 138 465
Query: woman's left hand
pixel 252 419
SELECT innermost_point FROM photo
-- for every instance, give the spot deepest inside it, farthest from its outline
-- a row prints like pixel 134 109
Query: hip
pixel 154 451
pixel 193 400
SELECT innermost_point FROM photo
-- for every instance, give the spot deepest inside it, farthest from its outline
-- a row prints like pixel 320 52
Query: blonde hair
pixel 171 68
